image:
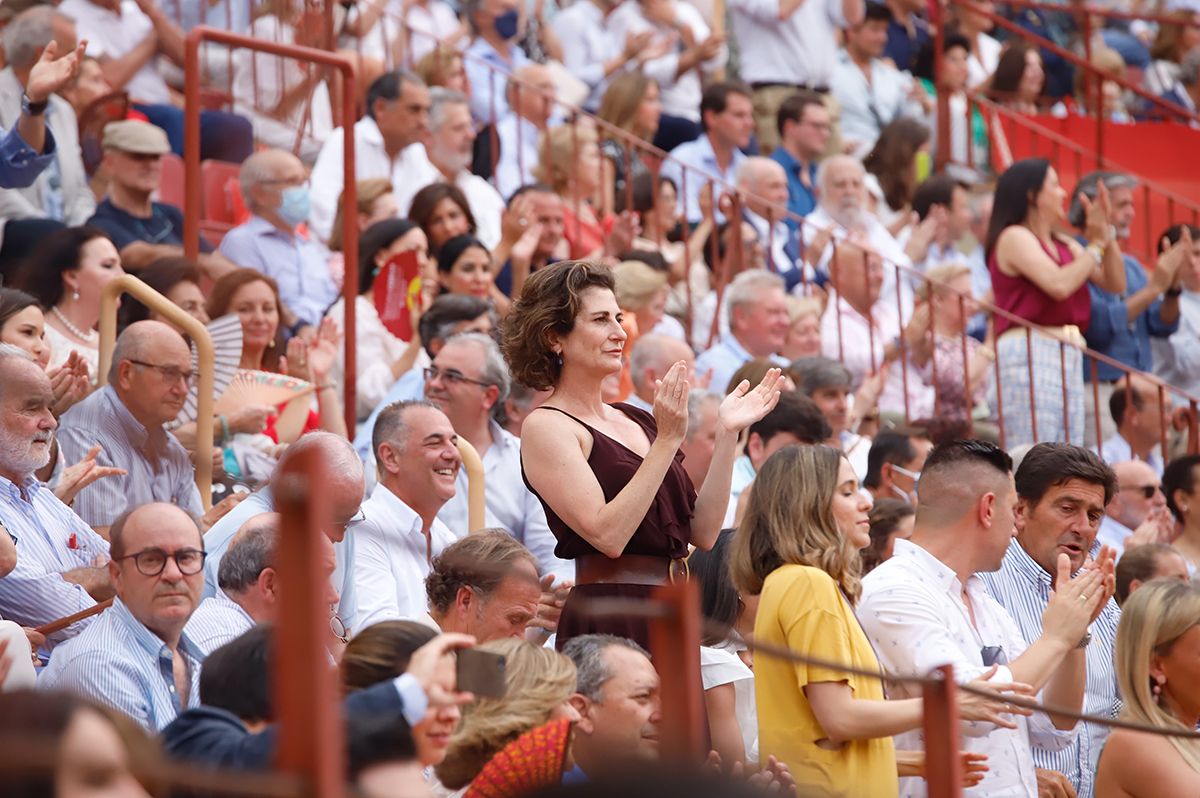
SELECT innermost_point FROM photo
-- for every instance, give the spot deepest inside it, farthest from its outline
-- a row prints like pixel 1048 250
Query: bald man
pixel 1138 410
pixel 530 95
pixel 763 185
pixel 651 359
pixel 1139 508
pixel 137 657
pixel 147 385
pixel 275 188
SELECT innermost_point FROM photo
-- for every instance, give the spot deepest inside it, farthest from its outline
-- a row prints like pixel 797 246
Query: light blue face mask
pixel 294 205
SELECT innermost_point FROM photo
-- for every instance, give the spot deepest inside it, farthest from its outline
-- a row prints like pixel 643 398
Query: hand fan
pixel 397 290
pixel 250 387
pixel 534 760
pixel 226 334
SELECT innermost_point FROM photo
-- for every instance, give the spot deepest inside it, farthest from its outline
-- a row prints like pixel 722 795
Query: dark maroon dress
pixel 664 532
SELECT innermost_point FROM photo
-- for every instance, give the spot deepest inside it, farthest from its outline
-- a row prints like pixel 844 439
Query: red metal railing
pixel 192 207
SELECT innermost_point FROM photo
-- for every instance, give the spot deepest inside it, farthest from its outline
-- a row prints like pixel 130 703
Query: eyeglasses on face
pixel 152 562
pixel 451 377
pixel 338 627
pixel 169 373
pixel 1147 491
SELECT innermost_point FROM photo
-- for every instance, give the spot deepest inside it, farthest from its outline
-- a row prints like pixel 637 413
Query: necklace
pixel 87 337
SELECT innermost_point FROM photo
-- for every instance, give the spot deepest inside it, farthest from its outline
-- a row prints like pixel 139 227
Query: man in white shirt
pixel 1138 413
pixel 1061 494
pixel 925 607
pixel 758 326
pixel 649 361
pixel 870 91
pixel 794 47
pixel 763 184
pixel 388 142
pixel 727 119
pixel 450 150
pixel 686 50
pixel 1138 506
pixel 416 454
pixel 467 380
pixel 530 94
pixel 591 51
pixel 1177 359
pixel 862 328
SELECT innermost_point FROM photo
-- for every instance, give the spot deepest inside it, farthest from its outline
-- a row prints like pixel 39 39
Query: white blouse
pixel 378 349
pixel 721 665
pixel 61 348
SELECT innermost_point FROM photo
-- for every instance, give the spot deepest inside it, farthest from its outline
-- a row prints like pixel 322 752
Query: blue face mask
pixel 294 205
pixel 506 24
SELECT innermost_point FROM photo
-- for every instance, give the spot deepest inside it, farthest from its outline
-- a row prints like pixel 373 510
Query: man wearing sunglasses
pixel 136 657
pixel 1138 509
pixel 147 384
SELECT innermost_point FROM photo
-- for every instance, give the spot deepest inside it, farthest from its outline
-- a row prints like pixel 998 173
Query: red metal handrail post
pixel 942 156
pixel 675 642
pixel 192 209
pixel 943 770
pixel 306 696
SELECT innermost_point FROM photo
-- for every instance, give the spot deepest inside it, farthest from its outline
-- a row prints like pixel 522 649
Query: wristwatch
pixel 30 108
pixel 1083 642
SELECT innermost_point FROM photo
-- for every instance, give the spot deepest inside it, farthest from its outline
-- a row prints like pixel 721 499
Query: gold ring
pixel 1082 597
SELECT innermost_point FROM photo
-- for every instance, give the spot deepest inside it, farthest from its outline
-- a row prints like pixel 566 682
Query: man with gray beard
pixel 61 562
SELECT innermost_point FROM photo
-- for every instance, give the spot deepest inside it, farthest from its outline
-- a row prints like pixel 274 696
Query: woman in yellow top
pixel 798 549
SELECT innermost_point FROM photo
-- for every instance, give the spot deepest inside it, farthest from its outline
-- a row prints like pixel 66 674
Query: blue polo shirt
pixel 801 198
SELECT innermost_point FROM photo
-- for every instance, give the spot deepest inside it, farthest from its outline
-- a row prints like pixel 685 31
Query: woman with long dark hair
pixel 892 163
pixel 1042 276
pixel 1019 82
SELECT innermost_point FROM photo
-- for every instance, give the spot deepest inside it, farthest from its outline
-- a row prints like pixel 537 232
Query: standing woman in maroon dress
pixel 611 477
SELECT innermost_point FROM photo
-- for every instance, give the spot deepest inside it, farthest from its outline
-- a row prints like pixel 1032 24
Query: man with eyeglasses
pixel 249 585
pixel 928 606
pixel 1138 509
pixel 147 384
pixel 467 380
pixel 59 561
pixel 136 657
pixel 417 460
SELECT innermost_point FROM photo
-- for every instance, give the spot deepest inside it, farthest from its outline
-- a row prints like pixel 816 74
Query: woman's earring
pixel 1156 687
pixel 75 295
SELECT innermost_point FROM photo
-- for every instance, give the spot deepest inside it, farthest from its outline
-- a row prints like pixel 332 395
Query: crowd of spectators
pixel 703 303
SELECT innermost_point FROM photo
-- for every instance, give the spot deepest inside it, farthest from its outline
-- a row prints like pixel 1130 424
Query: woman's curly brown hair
pixel 548 304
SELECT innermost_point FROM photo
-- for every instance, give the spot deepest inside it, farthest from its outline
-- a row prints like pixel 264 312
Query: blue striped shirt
pixel 119 662
pixel 160 469
pixel 1023 588
pixel 216 621
pixel 51 540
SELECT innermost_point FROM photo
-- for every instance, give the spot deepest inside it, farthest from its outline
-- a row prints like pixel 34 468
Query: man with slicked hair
pixel 927 606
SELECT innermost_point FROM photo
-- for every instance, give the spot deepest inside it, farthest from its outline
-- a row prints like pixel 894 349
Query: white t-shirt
pixel 721 665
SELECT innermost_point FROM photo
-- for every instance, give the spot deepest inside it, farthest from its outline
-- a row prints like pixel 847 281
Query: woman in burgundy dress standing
pixel 611 477
pixel 1042 275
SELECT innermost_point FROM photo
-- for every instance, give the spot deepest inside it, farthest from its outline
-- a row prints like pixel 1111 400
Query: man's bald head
pixel 531 91
pixel 146 341
pixel 1130 504
pixel 340 474
pixel 651 359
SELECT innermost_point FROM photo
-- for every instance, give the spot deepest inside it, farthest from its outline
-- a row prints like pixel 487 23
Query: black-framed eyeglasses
pixel 451 376
pixel 152 562
pixel 1147 491
pixel 170 373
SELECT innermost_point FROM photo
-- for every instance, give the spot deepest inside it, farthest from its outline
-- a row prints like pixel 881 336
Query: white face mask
pixel 915 476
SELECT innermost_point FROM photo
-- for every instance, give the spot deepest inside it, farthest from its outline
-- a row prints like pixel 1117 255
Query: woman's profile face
pixel 432 734
pixel 26 329
pixel 1051 198
pixel 99 263
pixel 1034 76
pixel 649 110
pixel 850 508
pixel 93 761
pixel 597 341
pixel 1181 668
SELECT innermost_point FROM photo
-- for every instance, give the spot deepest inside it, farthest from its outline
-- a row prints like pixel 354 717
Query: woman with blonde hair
pixel 804 334
pixel 642 290
pixel 797 549
pixel 631 103
pixel 444 67
pixel 947 289
pixel 571 165
pixel 538 685
pixel 1158 648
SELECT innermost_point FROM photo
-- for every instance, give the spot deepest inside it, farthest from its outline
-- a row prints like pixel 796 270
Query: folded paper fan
pixel 226 335
pixel 532 761
pixel 250 387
